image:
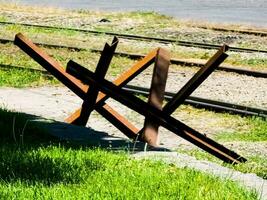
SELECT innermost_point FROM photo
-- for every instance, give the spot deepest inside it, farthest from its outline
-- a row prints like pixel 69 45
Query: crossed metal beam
pixel 80 116
pixel 100 89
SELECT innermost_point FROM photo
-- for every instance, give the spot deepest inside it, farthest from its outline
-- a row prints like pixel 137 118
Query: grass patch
pixel 23 78
pixel 18 128
pixel 56 172
pixel 39 30
pixel 3 19
pixel 255 134
pixel 53 170
pixel 74 38
pixel 255 62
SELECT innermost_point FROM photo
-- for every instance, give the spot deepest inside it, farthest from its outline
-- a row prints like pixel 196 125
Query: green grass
pixel 255 62
pixel 39 30
pixel 23 78
pixel 57 172
pixel 74 38
pixel 43 168
pixel 3 19
pixel 258 132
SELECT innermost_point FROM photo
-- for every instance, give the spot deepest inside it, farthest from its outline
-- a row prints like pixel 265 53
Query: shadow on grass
pixel 30 166
pixel 29 149
pixel 25 156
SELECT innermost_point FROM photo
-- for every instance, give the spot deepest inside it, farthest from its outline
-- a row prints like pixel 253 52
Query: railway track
pixel 138 56
pixel 208 104
pixel 247 32
pixel 139 37
pixel 197 102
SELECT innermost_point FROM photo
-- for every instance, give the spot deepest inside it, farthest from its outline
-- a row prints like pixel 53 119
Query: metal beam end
pixel 225 48
pixel 18 36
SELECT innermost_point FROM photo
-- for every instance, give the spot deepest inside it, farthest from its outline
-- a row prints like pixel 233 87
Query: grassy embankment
pixel 35 166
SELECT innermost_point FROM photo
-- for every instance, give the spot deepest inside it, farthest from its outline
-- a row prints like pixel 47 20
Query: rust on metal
pixel 77 78
pixel 50 65
pixel 196 80
pixel 118 121
pixel 155 114
pixel 156 94
pixel 81 89
pixel 185 92
pixel 92 93
pixel 71 82
pixel 123 79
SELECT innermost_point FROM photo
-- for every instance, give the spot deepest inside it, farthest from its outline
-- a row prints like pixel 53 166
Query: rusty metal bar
pixel 157 115
pixel 185 92
pixel 110 114
pixel 196 80
pixel 92 93
pixel 122 80
pixel 74 84
pixel 50 65
pixel 118 121
pixel 80 89
pixel 156 94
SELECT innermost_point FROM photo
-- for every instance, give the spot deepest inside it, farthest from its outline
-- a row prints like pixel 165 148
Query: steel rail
pixel 139 37
pixel 247 32
pixel 139 56
pixel 208 104
pixel 197 102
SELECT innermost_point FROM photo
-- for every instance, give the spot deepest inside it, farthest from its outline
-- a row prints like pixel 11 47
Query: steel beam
pixel 151 129
pixel 196 80
pixel 92 93
pixel 71 82
pixel 81 89
pixel 123 79
pixel 156 94
pixel 50 65
pixel 157 115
